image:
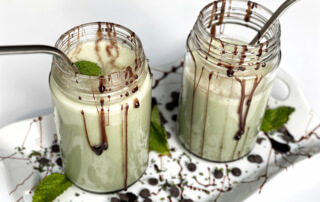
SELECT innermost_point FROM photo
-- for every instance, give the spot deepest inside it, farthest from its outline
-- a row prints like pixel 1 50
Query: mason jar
pixel 103 121
pixel 226 82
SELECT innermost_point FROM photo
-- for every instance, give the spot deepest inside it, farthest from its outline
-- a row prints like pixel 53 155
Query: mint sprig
pixel 51 187
pixel 274 119
pixel 89 68
pixel 158 135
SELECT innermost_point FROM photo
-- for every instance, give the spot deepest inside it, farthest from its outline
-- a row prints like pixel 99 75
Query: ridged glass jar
pixel 226 82
pixel 103 121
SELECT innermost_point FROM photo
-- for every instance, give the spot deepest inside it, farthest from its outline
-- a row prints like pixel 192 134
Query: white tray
pixel 21 177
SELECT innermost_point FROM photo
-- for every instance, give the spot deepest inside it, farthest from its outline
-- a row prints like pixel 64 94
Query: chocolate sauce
pixel 99 36
pixel 165 74
pixel 194 89
pixel 260 50
pixel 251 5
pixel 213 12
pixel 136 103
pixel 213 35
pixel 97 149
pixel 126 146
pixel 135 89
pixel 205 114
pixel 222 10
pixel 102 84
pixel 243 118
pixel 243 54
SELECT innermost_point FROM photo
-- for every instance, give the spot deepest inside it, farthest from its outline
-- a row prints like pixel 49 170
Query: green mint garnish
pixel 89 68
pixel 51 187
pixel 274 119
pixel 158 135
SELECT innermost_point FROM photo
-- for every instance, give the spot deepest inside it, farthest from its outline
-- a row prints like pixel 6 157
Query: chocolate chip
pixel 114 199
pixel 218 174
pixel 147 200
pixel 174 117
pixel 153 181
pixel 255 159
pixel 236 172
pixel 59 162
pixel 260 139
pixel 145 193
pixel 192 167
pixel 168 134
pixel 186 200
pixel 43 161
pixel 132 197
pixel 55 148
pixel 124 197
pixel 174 191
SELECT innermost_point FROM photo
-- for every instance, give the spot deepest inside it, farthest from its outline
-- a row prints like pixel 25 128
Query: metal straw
pixel 31 49
pixel 272 20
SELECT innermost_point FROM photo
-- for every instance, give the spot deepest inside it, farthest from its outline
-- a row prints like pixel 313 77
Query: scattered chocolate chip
pixel 153 181
pixel 162 118
pixel 286 135
pixel 218 174
pixel 145 193
pixel 191 167
pixel 174 191
pixel 114 199
pixel 124 197
pixel 260 140
pixel 43 161
pixel 147 200
pixel 55 148
pixel 175 101
pixel 174 117
pixel 132 197
pixel 255 159
pixel 168 134
pixel 59 162
pixel 186 200
pixel 236 172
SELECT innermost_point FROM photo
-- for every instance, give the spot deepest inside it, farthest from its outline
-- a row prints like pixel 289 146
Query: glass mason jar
pixel 103 121
pixel 226 82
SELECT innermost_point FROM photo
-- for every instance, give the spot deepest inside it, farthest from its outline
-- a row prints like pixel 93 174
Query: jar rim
pixel 114 83
pixel 231 11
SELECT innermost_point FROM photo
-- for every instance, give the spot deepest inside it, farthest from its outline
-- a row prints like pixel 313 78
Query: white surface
pixel 162 26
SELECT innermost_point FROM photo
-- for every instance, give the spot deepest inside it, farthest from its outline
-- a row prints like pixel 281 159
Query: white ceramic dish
pixel 22 173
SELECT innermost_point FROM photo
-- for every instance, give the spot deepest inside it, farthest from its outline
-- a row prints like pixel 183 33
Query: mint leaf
pixel 274 119
pixel 89 68
pixel 51 187
pixel 158 135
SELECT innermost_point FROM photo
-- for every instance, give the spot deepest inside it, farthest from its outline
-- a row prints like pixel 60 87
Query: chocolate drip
pixel 135 89
pixel 222 45
pixel 213 35
pixel 243 54
pixel 222 10
pixel 99 35
pixel 213 12
pixel 229 67
pixel 194 90
pixel 102 84
pixel 126 146
pixel 136 103
pixel 133 38
pixel 260 50
pixel 243 118
pixel 205 114
pixel 251 5
pixel 113 42
pixel 97 149
pixel 165 74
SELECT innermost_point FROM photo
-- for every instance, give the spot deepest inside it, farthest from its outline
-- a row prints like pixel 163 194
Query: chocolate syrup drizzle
pixel 243 117
pixel 251 6
pixel 205 115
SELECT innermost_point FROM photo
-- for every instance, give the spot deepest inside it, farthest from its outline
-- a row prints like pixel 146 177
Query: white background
pixel 162 26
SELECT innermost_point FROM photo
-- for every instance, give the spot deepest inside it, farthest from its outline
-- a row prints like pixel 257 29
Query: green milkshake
pixel 103 121
pixel 226 82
